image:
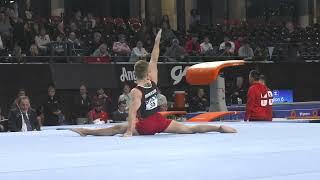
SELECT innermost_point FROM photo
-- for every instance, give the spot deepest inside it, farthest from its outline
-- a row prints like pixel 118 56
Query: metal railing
pixel 163 59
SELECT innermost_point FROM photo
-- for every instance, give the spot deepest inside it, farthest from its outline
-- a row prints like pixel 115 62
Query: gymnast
pixel 144 118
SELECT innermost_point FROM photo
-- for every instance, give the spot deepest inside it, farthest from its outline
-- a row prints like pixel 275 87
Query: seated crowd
pixel 86 35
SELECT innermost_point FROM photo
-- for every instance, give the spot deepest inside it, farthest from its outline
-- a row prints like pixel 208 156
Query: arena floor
pixel 264 151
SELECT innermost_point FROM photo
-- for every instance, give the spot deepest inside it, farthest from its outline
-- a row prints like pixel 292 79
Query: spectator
pixel 72 39
pixel 223 45
pixel 120 115
pixel 42 41
pixel 146 36
pixel 21 93
pixel 23 118
pixel 199 102
pixel 74 44
pixel 138 53
pixel 175 52
pixel 104 99
pixel 290 35
pixel 97 113
pixel 5 26
pixel 226 51
pixel 260 52
pixel 165 19
pixel 96 42
pixel 238 43
pixel 194 20
pixel 167 35
pixel 162 101
pixel 121 48
pixel 77 18
pixel 246 51
pixel 192 46
pixel 291 38
pixel 29 35
pixel 28 11
pixel 101 51
pixel 52 108
pixel 125 95
pixel 18 33
pixel 206 46
pixel 90 21
pixel 74 28
pixel 59 48
pixel 60 31
pixel 34 51
pixel 82 105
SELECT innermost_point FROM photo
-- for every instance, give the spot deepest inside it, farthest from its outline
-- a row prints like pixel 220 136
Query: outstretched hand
pixel 127 134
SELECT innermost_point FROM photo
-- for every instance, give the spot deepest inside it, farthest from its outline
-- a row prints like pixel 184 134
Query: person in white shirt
pixel 246 51
pixel 223 45
pixel 125 95
pixel 42 40
pixel 138 52
pixel 206 46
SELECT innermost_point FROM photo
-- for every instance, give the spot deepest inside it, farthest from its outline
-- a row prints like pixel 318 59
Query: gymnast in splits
pixel 144 118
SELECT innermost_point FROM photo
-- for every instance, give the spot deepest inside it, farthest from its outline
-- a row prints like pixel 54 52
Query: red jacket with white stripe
pixel 259 103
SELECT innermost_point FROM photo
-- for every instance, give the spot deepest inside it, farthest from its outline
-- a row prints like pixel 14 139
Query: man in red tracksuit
pixel 259 99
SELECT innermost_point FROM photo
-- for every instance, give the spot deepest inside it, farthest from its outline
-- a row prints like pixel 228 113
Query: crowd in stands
pixel 22 34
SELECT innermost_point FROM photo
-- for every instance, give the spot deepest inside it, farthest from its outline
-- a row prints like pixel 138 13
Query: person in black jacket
pixel 120 115
pixel 23 118
pixel 52 109
pixel 82 105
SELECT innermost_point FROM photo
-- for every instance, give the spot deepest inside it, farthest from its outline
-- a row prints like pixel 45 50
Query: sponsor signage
pixel 282 96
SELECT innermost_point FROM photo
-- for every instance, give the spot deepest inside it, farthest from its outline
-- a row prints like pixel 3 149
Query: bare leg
pixel 210 128
pixel 111 131
pixel 179 128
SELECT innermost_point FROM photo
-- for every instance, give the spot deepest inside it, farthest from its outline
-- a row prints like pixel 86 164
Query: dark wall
pixel 114 8
pixel 120 8
pixel 181 14
pixel 213 11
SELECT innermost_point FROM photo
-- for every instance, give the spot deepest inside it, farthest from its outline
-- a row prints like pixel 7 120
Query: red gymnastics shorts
pixel 153 124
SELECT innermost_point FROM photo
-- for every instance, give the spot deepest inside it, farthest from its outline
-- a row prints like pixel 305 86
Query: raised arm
pixel 153 69
pixel 135 103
